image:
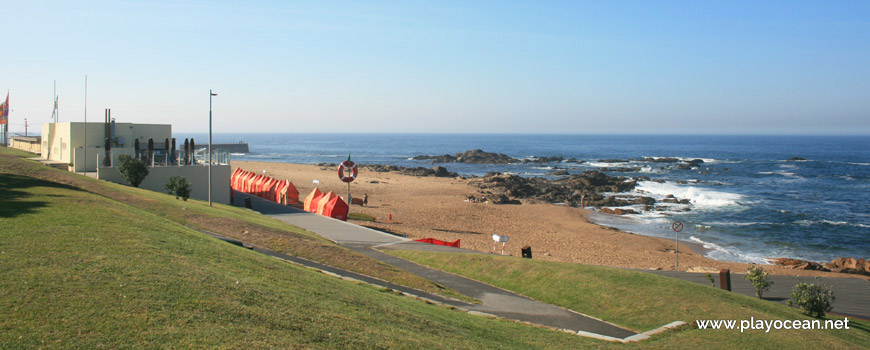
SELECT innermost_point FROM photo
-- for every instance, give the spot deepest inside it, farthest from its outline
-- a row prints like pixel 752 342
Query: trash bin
pixel 248 203
pixel 527 252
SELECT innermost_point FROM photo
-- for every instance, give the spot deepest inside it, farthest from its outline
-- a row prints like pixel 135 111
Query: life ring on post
pixel 347 171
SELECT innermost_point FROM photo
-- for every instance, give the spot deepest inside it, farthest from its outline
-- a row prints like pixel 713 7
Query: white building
pixel 65 142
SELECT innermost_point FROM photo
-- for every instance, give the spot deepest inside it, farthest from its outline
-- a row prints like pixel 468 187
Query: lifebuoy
pixel 347 171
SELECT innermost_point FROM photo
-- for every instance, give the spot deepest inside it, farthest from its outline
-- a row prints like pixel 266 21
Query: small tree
pixel 132 169
pixel 758 277
pixel 815 299
pixel 178 186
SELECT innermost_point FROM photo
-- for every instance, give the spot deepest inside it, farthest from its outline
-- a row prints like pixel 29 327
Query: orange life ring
pixel 352 171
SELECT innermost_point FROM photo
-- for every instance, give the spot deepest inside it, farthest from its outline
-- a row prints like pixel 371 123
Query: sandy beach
pixel 430 207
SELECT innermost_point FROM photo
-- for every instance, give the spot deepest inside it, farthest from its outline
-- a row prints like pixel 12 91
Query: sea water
pixel 747 201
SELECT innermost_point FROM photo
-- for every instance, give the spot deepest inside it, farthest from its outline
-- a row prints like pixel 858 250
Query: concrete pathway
pixel 495 301
pixel 851 295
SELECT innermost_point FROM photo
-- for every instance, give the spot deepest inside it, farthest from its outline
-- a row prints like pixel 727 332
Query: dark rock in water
pixel 620 170
pixel 476 156
pixel 647 201
pixel 560 172
pixel 681 182
pixel 613 160
pixel 574 160
pixel 671 200
pixel 617 211
pixel 795 159
pixel 670 196
pixel 534 159
pixel 685 201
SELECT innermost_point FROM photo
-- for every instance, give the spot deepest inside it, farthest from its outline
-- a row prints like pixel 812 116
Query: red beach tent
pixel 310 204
pixel 336 208
pixel 321 204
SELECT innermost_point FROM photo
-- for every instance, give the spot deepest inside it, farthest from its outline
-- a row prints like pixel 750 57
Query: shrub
pixel 178 186
pixel 132 169
pixel 815 299
pixel 710 278
pixel 758 277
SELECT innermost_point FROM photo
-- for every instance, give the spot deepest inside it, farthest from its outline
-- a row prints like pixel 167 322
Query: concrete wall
pixel 196 175
pixel 30 144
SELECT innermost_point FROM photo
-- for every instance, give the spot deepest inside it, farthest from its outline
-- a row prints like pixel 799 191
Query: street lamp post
pixel 210 94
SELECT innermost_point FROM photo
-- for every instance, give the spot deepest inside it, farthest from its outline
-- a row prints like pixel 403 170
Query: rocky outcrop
pixel 841 265
pixel 476 156
pixel 535 160
pixel 588 188
pixel 850 265
pixel 617 211
pixel 795 159
pixel 798 264
pixel 437 171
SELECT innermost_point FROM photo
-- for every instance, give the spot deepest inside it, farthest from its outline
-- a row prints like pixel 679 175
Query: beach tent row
pixel 280 191
pixel 326 204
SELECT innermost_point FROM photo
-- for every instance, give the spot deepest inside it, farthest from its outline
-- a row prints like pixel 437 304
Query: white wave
pixel 864 164
pixel 829 222
pixel 647 169
pixel 740 224
pixel 600 165
pixel 789 174
pixel 766 173
pixel 700 197
pixel 721 253
pixel 544 167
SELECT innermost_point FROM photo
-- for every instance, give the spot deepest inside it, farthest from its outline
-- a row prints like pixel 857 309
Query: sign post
pixel 347 172
pixel 677 227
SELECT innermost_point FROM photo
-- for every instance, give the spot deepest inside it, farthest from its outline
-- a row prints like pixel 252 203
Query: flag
pixel 4 111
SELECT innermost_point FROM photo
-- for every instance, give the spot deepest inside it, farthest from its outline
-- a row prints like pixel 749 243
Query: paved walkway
pixel 851 295
pixel 494 300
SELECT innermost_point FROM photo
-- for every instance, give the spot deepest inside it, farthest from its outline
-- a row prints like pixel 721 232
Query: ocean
pixel 748 202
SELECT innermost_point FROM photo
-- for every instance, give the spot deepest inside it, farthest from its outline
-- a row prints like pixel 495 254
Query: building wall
pixel 65 141
pixel 196 175
pixel 30 144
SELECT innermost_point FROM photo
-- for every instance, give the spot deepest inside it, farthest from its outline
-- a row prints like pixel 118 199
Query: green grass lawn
pixel 79 270
pixel 642 301
pixel 239 223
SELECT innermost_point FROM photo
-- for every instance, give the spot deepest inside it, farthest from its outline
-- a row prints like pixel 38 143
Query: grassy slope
pixel 79 270
pixel 642 301
pixel 226 220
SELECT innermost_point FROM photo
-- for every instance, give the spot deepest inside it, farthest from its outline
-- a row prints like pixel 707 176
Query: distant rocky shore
pixel 478 156
pixel 841 265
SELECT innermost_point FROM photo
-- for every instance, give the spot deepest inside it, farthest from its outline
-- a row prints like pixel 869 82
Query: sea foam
pixel 702 198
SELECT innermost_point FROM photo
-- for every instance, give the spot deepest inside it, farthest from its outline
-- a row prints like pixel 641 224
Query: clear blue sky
pixel 443 66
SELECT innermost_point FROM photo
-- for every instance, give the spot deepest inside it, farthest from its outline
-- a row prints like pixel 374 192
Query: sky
pixel 623 67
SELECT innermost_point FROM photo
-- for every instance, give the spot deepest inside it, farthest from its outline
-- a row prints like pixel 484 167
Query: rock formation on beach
pixel 587 189
pixel 841 264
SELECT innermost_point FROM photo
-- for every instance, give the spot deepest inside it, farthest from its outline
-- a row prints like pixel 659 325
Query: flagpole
pixel 85 147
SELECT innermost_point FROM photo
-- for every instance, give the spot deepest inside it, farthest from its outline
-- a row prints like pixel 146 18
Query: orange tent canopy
pixel 310 203
pixel 323 201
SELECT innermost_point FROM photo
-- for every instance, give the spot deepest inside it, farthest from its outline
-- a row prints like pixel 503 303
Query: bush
pixel 178 186
pixel 758 277
pixel 132 169
pixel 815 299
